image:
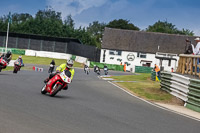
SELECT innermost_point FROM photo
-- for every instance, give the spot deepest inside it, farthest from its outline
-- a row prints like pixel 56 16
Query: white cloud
pixel 74 7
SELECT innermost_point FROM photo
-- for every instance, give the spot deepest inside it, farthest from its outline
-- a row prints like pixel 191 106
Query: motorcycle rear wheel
pixel 15 70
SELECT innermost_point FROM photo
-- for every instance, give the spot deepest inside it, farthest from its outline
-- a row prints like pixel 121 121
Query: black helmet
pixel 9 53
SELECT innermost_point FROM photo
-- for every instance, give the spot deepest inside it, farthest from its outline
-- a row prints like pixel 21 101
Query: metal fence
pixel 53 44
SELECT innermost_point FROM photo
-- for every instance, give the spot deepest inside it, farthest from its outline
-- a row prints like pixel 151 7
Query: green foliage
pixel 48 22
pixel 122 24
pixel 96 30
pixel 166 27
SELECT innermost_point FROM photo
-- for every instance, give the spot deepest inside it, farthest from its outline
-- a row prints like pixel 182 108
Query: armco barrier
pixel 175 84
pixel 13 50
pixel 194 95
pixel 110 66
pixel 182 87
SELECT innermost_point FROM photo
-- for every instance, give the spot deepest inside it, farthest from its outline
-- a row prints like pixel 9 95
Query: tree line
pixel 48 22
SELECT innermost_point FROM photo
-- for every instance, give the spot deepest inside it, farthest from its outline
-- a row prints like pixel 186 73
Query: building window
pixel 115 52
pixel 141 55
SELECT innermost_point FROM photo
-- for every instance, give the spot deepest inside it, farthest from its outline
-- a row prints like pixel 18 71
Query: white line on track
pixel 154 104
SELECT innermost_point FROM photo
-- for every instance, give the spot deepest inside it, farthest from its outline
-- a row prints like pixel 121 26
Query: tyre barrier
pixel 37 69
pixel 183 88
pixel 153 75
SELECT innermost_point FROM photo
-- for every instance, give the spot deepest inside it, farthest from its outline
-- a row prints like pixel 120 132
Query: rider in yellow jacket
pixel 61 68
pixel 68 66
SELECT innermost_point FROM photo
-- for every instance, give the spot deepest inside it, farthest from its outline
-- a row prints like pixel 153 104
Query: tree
pixel 20 18
pixel 166 27
pixel 47 22
pixel 85 36
pixel 96 30
pixel 122 24
pixel 69 21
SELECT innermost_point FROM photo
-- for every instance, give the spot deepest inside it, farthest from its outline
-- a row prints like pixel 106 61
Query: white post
pixel 7 38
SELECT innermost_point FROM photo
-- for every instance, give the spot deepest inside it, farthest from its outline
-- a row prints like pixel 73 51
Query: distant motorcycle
pixel 106 71
pixel 57 83
pixel 17 66
pixel 3 63
pixel 51 68
pixel 87 70
pixel 98 70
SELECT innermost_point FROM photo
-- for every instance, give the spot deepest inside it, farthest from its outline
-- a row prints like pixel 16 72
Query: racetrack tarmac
pixel 90 105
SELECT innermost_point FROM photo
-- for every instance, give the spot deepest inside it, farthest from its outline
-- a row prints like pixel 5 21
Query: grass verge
pixel 38 60
pixel 43 60
pixel 145 88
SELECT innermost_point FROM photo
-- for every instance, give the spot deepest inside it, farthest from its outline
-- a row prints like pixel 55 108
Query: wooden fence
pixel 188 64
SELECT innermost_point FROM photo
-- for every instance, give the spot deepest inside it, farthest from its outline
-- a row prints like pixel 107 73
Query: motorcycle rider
pixel 65 66
pixel 8 56
pixel 98 70
pixel 52 65
pixel 20 61
pixel 105 69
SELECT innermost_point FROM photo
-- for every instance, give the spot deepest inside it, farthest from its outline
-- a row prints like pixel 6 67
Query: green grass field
pixel 43 60
pixel 144 87
pixel 40 61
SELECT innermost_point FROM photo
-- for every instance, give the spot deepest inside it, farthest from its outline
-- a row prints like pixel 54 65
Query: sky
pixel 142 13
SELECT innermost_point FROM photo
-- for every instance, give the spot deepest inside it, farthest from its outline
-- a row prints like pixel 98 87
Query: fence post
pixel 16 42
pixel 4 41
pixel 54 44
pixel 195 66
pixel 41 43
pixel 191 66
pixel 66 47
pixel 183 65
pixel 29 43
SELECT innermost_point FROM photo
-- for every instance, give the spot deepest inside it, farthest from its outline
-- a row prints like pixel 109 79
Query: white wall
pixel 48 54
pixel 136 61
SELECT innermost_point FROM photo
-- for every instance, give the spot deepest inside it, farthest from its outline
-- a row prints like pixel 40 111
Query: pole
pixel 9 21
pixel 7 38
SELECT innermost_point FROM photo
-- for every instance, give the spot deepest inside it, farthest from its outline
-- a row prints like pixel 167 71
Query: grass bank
pixel 43 60
pixel 40 61
pixel 145 88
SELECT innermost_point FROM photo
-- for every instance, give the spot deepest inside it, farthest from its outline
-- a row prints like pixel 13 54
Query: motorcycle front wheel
pixel 43 91
pixel 56 89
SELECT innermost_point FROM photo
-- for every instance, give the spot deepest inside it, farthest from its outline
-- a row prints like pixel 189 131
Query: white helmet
pixel 20 57
pixel 70 63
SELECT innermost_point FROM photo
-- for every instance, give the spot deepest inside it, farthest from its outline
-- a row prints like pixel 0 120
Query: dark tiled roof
pixel 141 41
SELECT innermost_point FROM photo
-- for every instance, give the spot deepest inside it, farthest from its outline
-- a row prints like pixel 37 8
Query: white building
pixel 137 48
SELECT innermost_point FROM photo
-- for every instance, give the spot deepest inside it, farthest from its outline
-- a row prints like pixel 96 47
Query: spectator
pixel 124 66
pixel 172 70
pixel 197 51
pixel 197 48
pixel 157 69
pixel 189 47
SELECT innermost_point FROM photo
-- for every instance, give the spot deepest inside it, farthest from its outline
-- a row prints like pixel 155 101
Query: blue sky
pixel 142 13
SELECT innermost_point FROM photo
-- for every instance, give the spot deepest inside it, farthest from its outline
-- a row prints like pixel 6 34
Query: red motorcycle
pixel 57 83
pixel 17 66
pixel 3 63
